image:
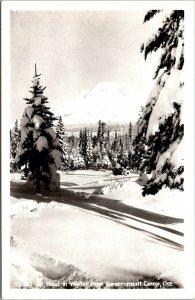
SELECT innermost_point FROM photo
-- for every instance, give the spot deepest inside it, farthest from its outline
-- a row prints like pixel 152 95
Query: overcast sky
pixel 77 50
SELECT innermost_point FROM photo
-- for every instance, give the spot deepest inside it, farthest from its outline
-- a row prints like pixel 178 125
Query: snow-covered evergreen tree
pixel 103 162
pixel 76 159
pixel 108 141
pixel 113 159
pixel 139 146
pixel 39 150
pixel 129 144
pixel 14 143
pixel 60 131
pixel 116 143
pixel 161 123
pixel 81 142
pixel 101 135
pixel 88 150
pixel 130 136
pixel 96 155
pixel 100 151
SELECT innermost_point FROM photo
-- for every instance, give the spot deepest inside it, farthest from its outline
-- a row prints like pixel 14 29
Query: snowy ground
pixel 96 229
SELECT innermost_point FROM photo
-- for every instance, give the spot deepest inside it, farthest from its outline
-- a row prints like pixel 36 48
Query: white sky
pixel 76 50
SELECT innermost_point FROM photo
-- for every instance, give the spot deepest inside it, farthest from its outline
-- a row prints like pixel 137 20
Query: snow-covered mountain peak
pixel 108 101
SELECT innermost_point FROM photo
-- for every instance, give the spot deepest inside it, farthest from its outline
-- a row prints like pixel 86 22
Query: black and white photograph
pixel 94 103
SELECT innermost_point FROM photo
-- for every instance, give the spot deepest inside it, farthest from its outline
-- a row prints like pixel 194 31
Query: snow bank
pixel 167 202
pixel 120 184
pixel 31 269
pixel 22 206
pixel 115 186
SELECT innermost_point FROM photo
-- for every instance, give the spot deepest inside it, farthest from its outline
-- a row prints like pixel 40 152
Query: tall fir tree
pixel 161 124
pixel 39 150
pixel 81 142
pixel 14 144
pixel 108 141
pixel 116 143
pixel 88 150
pixel 60 131
pixel 139 146
pixel 130 135
pixel 101 135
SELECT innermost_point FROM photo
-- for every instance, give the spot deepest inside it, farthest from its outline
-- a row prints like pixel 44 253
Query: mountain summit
pixel 107 101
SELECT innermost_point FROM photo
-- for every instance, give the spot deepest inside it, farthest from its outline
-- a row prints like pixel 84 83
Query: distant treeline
pixel 103 147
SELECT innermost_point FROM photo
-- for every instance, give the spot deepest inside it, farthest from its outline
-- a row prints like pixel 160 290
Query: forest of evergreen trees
pixel 101 149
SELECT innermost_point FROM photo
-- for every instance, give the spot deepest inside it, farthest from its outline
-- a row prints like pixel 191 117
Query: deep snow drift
pixel 96 229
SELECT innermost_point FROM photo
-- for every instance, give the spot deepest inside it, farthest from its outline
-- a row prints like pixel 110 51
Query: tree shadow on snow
pixel 68 184
pixel 112 209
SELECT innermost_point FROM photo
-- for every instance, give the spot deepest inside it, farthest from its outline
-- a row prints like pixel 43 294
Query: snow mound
pixel 167 202
pixel 115 186
pixel 23 206
pixel 31 269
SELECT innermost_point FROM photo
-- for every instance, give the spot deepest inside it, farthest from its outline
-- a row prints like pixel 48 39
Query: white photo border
pixel 188 291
